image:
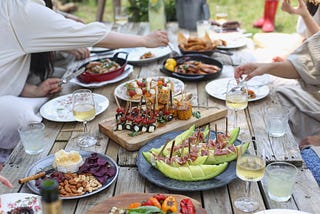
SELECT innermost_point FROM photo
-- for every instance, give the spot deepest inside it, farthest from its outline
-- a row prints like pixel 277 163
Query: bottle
pixel 157 16
pixel 51 204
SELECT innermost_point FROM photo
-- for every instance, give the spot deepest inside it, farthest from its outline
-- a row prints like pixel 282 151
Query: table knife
pixel 36 176
pixel 71 76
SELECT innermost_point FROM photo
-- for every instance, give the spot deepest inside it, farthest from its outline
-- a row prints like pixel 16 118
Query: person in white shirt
pixel 30 32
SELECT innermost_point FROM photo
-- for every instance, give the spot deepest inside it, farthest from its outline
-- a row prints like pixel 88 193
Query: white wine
pixel 236 101
pixel 250 168
pixel 121 19
pixel 84 112
pixel 221 18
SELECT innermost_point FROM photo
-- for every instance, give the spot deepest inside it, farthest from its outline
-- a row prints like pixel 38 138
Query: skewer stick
pixel 171 99
pixel 216 131
pixel 116 99
pixel 172 147
pixel 227 126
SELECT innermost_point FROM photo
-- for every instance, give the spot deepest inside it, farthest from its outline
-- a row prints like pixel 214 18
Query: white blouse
pixel 28 26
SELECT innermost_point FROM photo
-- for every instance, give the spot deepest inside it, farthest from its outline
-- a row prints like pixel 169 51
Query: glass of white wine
pixel 120 17
pixel 236 97
pixel 250 167
pixel 83 108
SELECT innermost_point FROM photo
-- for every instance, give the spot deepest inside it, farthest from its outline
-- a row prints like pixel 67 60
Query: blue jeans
pixel 312 161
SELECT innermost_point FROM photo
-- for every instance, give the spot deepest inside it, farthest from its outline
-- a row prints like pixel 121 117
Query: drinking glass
pixel 250 167
pixel 83 108
pixel 236 97
pixel 221 14
pixel 120 17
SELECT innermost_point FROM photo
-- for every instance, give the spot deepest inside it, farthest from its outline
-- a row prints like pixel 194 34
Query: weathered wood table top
pixel 306 194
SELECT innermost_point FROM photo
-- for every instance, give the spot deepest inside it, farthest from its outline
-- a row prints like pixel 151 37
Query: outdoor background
pixel 245 11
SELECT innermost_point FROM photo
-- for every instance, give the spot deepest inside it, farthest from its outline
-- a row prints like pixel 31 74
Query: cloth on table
pixel 16 111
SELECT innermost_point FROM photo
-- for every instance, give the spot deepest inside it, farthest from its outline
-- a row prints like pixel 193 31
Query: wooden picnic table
pixel 306 195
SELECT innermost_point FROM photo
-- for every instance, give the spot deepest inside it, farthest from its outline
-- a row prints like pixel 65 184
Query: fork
pixel 174 53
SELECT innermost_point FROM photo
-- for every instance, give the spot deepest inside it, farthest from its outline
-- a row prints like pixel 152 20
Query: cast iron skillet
pixel 194 77
pixel 88 77
pixel 207 52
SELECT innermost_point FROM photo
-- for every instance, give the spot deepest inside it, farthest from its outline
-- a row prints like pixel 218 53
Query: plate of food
pixel 256 90
pixel 141 55
pixel 201 45
pixel 202 173
pixel 127 71
pixel 192 67
pixel 59 109
pixel 133 90
pixel 94 171
pixel 134 202
pixel 20 203
pixel 233 43
pixel 101 69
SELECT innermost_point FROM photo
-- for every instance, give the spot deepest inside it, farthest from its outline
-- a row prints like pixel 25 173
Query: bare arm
pixel 302 10
pixel 280 69
pixel 118 40
pixel 47 87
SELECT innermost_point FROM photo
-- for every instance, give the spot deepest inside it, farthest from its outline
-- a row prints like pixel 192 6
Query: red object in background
pixel 267 21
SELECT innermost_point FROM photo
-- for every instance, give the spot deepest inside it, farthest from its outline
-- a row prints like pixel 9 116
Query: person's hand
pixel 250 70
pixel 310 140
pixel 301 9
pixel 156 39
pixel 278 59
pixel 5 182
pixel 48 87
pixel 80 53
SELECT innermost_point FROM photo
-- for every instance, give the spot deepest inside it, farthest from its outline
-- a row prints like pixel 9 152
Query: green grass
pixel 245 11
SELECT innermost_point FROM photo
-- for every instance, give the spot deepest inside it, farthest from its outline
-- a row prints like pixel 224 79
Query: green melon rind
pixel 191 173
pixel 217 159
pixel 234 134
pixel 149 157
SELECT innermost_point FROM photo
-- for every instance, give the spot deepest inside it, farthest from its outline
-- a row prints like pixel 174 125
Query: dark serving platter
pixel 194 77
pixel 156 177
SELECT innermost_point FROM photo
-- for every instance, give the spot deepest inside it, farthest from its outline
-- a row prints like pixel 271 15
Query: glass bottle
pixel 51 204
pixel 157 16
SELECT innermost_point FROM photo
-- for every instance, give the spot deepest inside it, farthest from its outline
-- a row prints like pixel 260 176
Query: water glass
pixel 280 178
pixel 203 27
pixel 32 137
pixel 276 118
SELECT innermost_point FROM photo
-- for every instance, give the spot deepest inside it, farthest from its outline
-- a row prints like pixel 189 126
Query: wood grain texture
pixel 134 143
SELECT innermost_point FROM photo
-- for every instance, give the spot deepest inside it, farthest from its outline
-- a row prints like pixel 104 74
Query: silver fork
pixel 174 53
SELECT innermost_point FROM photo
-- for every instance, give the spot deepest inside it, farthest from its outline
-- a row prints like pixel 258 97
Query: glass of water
pixel 120 17
pixel 32 137
pixel 276 118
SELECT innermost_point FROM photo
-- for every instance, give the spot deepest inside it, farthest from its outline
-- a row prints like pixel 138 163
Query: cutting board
pixel 134 143
pixel 123 201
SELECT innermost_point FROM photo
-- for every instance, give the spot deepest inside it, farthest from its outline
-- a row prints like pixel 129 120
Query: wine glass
pixel 120 17
pixel 250 167
pixel 236 97
pixel 83 108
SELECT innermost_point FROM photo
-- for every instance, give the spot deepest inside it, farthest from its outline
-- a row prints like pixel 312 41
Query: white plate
pixel 98 49
pixel 60 109
pixel 121 90
pixel 136 53
pixel 281 211
pixel 14 200
pixel 128 70
pixel 234 43
pixel 217 89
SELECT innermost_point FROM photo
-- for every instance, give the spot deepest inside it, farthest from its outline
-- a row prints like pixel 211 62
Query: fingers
pixel 5 182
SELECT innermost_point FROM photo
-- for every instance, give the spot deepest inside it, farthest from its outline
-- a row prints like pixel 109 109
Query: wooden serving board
pixel 134 143
pixel 123 201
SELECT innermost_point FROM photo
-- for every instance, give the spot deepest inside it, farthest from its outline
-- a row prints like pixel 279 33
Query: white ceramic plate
pixel 121 90
pixel 14 200
pixel 128 70
pixel 280 211
pixel 234 43
pixel 60 109
pixel 217 89
pixel 136 53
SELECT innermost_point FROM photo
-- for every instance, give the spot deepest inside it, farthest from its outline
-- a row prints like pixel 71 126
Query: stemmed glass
pixel 120 17
pixel 236 97
pixel 250 167
pixel 83 108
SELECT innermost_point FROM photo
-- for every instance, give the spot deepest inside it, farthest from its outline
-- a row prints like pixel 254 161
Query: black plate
pixel 156 177
pixel 194 77
pixel 207 52
pixel 46 163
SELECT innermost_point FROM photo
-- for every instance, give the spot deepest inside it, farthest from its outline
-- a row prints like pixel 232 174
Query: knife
pixel 36 176
pixel 71 76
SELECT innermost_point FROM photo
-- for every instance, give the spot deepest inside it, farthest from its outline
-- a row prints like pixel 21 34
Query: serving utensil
pixel 69 77
pixel 36 176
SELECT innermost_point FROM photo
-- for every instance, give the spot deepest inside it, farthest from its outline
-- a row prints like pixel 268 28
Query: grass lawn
pixel 245 11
